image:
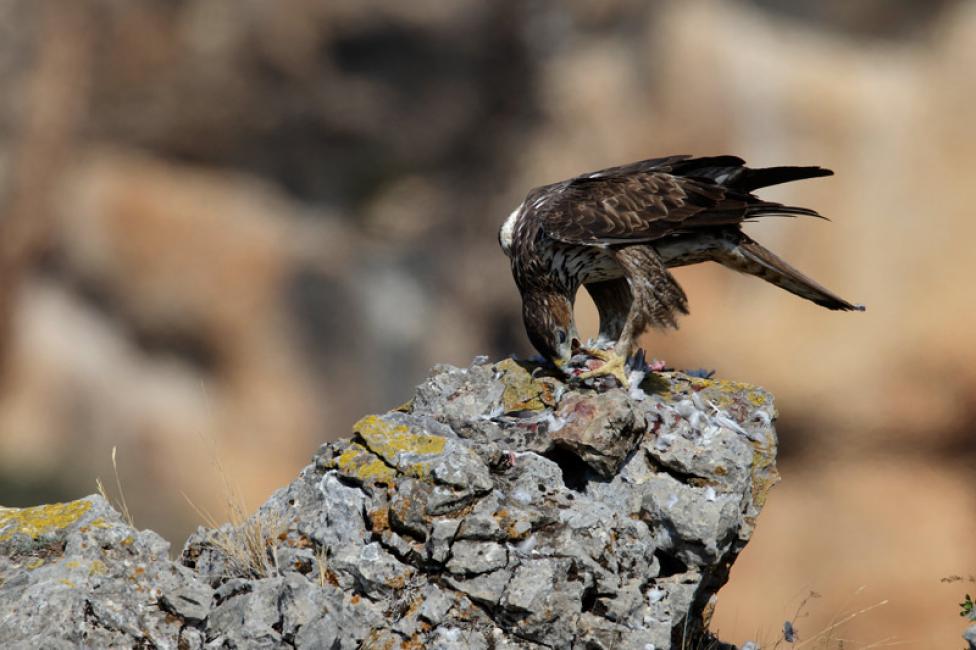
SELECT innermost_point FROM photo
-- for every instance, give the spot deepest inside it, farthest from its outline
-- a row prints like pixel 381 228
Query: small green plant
pixel 968 608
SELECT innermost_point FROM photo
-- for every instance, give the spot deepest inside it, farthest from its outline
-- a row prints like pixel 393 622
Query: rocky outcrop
pixel 499 508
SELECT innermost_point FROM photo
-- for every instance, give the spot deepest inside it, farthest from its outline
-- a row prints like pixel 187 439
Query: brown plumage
pixel 617 231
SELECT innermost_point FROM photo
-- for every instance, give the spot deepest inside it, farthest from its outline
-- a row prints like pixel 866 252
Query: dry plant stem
pixel 796 614
pixel 249 542
pixel 844 608
pixel 118 485
pixel 842 621
pixel 248 545
pixel 322 564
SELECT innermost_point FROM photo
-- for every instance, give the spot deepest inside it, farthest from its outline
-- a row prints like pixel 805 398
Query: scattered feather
pixel 763 416
pixel 527 545
pixel 554 423
pixel 634 379
pixel 685 408
pixel 664 441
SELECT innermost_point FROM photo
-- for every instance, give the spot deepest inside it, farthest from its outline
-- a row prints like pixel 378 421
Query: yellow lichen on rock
pixel 764 472
pixel 721 392
pixel 40 520
pixel 395 445
pixel 387 439
pixel 523 392
pixel 97 568
pixel 357 462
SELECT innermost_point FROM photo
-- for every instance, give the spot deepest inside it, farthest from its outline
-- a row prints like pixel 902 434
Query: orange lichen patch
pixel 403 509
pixel 354 599
pixel 413 607
pixel 299 541
pixel 67 583
pixel 379 519
pixel 514 529
pixel 40 520
pixel 328 576
pixel 416 641
pixel 516 532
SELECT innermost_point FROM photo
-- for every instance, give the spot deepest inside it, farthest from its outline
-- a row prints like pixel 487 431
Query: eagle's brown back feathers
pixel 618 230
pixel 652 199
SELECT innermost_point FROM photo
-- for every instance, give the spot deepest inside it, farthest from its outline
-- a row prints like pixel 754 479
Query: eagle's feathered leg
pixel 657 296
pixel 654 298
pixel 613 300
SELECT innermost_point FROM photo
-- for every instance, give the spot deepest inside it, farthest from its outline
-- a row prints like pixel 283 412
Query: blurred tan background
pixel 228 228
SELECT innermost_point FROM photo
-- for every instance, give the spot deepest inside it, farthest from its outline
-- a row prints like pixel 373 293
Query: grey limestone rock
pixel 75 575
pixel 500 508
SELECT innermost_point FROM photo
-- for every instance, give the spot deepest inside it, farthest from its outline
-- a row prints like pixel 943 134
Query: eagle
pixel 617 231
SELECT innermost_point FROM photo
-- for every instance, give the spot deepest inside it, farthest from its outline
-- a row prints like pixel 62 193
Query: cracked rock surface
pixel 497 509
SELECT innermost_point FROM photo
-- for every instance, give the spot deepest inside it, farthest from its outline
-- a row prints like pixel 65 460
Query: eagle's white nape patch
pixel 507 232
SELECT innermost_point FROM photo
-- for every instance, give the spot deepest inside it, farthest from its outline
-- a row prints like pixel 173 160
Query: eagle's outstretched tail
pixel 730 171
pixel 749 256
pixel 749 180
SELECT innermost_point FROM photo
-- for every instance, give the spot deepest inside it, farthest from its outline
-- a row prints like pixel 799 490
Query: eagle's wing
pixel 652 199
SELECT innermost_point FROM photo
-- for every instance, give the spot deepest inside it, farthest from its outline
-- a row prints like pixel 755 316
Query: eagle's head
pixel 548 318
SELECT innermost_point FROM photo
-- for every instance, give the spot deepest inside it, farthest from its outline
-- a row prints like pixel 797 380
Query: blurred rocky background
pixel 228 228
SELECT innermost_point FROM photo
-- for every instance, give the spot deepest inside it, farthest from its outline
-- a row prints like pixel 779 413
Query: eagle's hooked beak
pixel 568 346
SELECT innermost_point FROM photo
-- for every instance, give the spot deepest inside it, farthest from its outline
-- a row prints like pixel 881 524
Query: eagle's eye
pixel 561 335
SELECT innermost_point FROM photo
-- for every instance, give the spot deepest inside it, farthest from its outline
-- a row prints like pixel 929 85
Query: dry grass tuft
pixel 321 562
pixel 827 638
pixel 247 543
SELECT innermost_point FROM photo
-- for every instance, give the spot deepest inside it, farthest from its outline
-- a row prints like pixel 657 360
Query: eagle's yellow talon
pixel 614 365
